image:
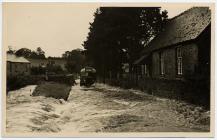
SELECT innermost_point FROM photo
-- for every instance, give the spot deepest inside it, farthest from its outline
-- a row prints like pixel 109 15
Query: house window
pixel 145 69
pixel 26 67
pixel 162 72
pixel 15 67
pixel 142 67
pixel 179 61
pixel 139 72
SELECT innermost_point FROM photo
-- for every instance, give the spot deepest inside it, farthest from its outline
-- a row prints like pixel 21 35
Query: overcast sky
pixel 55 28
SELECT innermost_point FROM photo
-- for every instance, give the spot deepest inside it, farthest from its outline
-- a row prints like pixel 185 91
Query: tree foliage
pixel 10 50
pixel 27 53
pixel 118 35
pixel 24 52
pixel 75 60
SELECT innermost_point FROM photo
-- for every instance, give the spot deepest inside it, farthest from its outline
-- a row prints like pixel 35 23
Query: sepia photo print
pixel 108 69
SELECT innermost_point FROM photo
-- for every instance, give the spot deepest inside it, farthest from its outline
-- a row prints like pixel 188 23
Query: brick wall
pixel 189 62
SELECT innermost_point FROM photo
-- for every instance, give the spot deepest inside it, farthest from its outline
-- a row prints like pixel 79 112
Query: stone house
pixel 178 57
pixel 17 66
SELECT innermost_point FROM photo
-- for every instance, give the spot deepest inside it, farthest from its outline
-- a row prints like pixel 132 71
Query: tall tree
pixel 24 52
pixel 40 53
pixel 117 35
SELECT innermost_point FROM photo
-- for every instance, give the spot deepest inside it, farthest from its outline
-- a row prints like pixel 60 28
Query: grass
pixel 52 89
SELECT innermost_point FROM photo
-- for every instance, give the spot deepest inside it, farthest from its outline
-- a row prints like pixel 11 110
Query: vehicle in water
pixel 87 76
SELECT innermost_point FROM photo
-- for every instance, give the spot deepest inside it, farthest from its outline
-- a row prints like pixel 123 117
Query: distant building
pixel 17 66
pixel 48 61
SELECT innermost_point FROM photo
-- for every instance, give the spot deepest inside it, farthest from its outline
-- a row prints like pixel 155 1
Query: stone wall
pixel 14 69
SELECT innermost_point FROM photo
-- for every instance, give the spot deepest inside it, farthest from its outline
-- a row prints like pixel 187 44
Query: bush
pixel 54 69
pixel 38 70
pixel 61 78
pixel 196 92
pixel 17 82
pixel 49 68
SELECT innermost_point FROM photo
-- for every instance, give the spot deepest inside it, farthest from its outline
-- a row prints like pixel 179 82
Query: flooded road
pixel 101 108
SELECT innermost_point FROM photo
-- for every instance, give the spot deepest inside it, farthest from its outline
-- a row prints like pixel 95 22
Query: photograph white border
pixel 145 134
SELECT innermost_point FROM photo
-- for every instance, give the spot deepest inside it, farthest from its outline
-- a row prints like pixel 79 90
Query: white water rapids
pixel 27 113
pixel 100 108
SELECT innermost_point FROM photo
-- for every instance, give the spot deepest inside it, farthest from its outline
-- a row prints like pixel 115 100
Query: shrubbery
pixel 38 70
pixel 55 69
pixel 17 82
pixel 196 92
pixel 50 68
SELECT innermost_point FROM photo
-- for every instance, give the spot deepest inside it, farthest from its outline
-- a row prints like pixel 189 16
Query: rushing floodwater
pixel 27 113
pixel 100 108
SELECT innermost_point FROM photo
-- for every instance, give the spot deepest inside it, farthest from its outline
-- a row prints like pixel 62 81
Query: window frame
pixel 179 61
pixel 162 65
pixel 27 67
pixel 142 70
pixel 145 69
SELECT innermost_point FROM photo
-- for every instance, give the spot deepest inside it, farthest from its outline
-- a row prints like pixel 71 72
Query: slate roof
pixel 184 27
pixel 16 59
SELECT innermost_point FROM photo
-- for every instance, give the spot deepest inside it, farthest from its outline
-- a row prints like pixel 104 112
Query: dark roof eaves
pixel 16 62
pixel 172 45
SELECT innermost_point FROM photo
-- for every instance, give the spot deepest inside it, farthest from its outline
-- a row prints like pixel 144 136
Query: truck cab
pixel 87 76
